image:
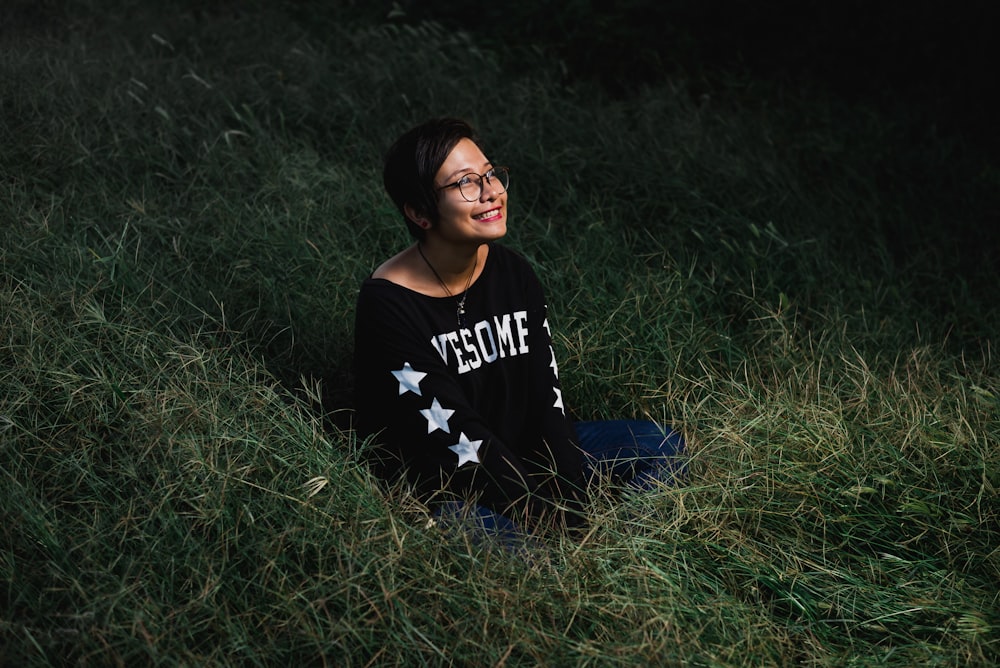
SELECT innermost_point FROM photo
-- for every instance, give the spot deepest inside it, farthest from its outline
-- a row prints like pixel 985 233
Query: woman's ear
pixel 420 219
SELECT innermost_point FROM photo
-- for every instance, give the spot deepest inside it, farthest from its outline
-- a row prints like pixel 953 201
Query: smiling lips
pixel 490 215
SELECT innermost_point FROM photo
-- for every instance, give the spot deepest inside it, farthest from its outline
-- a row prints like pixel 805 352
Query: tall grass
pixel 190 200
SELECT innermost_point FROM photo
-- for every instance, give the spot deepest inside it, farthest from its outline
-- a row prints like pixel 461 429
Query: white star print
pixel 409 379
pixel 437 417
pixel 545 324
pixel 552 364
pixel 559 402
pixel 467 451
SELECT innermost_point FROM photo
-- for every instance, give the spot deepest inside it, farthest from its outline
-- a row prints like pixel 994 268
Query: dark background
pixel 937 56
pixel 928 66
pixel 941 56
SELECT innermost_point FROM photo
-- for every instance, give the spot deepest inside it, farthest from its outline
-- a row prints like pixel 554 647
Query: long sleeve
pixel 549 406
pixel 470 411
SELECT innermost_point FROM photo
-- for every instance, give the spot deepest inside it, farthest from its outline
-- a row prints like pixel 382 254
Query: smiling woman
pixel 457 382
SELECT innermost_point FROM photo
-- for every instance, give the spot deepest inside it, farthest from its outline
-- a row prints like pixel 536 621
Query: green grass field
pixel 190 200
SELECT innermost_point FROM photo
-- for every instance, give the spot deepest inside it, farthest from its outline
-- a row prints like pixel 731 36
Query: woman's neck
pixel 453 264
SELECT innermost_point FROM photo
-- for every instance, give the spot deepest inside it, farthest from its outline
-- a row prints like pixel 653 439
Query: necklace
pixel 460 312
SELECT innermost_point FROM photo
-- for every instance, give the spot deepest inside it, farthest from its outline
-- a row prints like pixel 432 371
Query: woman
pixel 456 377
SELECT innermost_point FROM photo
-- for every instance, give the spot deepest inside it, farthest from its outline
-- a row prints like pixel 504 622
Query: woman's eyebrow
pixel 466 170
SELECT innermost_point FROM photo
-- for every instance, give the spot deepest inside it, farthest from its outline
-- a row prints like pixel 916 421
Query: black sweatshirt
pixel 473 411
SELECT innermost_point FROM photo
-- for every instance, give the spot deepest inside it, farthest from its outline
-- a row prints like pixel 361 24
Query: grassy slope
pixel 189 204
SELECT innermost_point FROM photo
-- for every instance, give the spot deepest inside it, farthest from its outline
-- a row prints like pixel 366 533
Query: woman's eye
pixel 464 181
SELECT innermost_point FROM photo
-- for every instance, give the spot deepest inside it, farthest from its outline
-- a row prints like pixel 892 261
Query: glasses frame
pixel 483 180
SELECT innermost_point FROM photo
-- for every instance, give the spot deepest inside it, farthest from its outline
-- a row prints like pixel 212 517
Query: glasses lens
pixel 471 186
pixel 499 177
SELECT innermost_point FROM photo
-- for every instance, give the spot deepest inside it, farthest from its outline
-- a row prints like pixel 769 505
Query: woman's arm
pixel 558 434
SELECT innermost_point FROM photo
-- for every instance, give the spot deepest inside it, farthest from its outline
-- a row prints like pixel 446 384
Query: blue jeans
pixel 637 454
pixel 634 453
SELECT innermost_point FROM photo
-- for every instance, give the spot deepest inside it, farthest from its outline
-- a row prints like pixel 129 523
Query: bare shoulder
pixel 400 269
pixel 388 268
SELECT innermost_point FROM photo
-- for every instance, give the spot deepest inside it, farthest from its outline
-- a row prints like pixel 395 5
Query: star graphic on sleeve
pixel 559 402
pixel 437 417
pixel 545 324
pixel 552 364
pixel 409 379
pixel 467 451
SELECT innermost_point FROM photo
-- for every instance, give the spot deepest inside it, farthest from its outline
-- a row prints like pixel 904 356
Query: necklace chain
pixel 460 311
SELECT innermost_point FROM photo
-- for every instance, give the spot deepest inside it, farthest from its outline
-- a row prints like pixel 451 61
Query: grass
pixel 191 200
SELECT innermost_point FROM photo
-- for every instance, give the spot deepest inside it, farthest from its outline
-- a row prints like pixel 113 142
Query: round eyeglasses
pixel 471 185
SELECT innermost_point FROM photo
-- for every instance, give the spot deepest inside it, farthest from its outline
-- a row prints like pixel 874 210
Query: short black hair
pixel 412 162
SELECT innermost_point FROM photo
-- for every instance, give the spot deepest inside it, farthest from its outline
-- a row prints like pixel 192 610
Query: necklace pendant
pixel 460 311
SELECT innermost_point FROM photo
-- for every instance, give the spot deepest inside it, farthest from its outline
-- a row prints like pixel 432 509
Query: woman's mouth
pixel 489 216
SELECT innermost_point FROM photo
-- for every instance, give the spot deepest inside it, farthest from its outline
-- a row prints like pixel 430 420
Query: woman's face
pixel 459 220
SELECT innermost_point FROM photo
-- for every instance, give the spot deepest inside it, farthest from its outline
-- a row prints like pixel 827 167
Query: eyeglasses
pixel 471 185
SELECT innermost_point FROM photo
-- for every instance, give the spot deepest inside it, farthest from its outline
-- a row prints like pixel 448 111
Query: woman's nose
pixel 489 191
